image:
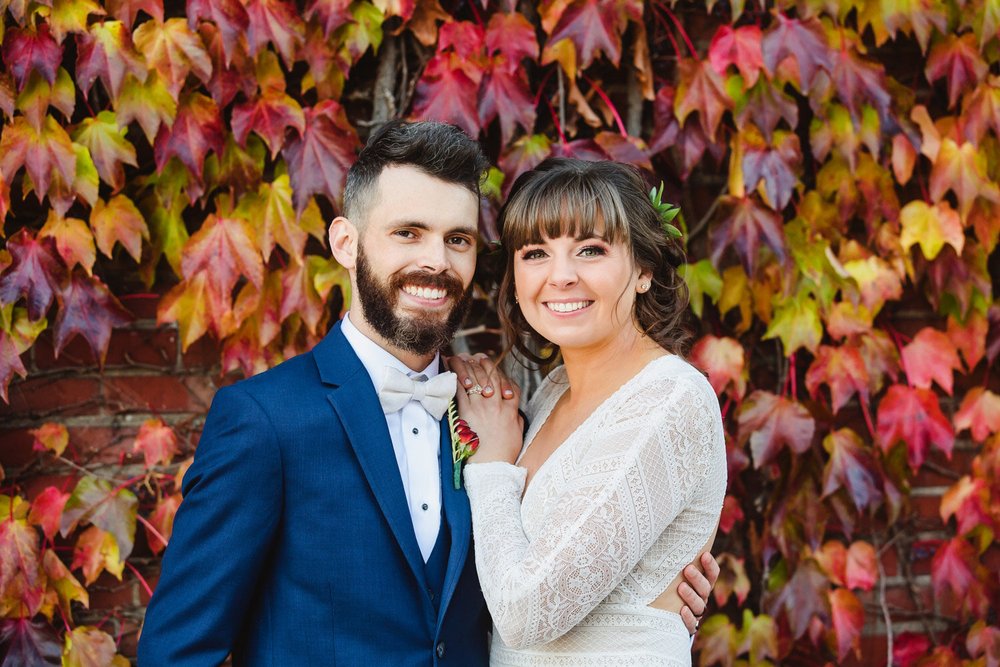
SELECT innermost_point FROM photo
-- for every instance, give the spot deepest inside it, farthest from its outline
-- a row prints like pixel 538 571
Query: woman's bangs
pixel 564 209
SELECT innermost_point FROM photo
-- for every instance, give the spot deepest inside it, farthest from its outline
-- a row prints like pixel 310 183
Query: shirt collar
pixel 375 358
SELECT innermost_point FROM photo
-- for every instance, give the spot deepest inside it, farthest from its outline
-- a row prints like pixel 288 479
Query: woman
pixel 581 534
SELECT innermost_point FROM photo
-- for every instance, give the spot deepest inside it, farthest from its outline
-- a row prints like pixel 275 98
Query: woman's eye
pixel 532 254
pixel 592 251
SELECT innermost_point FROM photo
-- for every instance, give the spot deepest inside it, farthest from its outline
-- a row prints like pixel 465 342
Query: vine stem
pixel 673 17
pixel 868 418
pixel 142 579
pixel 475 13
pixel 792 376
pixel 670 34
pixel 607 100
pixel 555 119
pixel 886 615
pixel 153 530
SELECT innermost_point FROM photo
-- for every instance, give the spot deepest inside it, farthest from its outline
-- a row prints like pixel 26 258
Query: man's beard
pixel 419 335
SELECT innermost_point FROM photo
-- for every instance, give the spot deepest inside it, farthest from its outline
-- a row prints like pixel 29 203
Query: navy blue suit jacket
pixel 294 544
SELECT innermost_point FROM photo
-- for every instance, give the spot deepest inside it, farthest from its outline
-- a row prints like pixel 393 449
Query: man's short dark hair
pixel 438 149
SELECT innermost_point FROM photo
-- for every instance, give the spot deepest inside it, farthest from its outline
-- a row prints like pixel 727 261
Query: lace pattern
pixel 625 502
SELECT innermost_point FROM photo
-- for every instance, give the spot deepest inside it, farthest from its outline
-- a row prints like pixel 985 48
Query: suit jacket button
pixel 440 650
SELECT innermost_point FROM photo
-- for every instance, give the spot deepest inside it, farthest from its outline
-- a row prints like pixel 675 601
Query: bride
pixel 581 534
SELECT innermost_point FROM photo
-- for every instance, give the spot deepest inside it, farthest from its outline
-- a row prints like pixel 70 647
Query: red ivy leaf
pixel 957 59
pixel 332 14
pixel 35 273
pixel 196 130
pixel 27 50
pixel 299 295
pixel 10 363
pixel 22 585
pixel 47 153
pixel 805 41
pixel 128 10
pixel 88 308
pixel 277 22
pixel 803 597
pixel 229 16
pixel 909 648
pixel 162 519
pixel 959 579
pixel 732 513
pixel 156 441
pixel 980 412
pixel 582 149
pixel 50 436
pixel 318 160
pixel 968 500
pixel 769 421
pixel 745 223
pixel 766 105
pixel 724 361
pixel 740 47
pixel 969 338
pixel 46 510
pixel 843 370
pixel 511 34
pixel 701 89
pixel 523 155
pixel 774 165
pixel 852 467
pixel 504 93
pixel 28 642
pixel 107 146
pixel 914 417
pixel 981 110
pixel 733 579
pixel 106 51
pixel 270 115
pixel 848 621
pixel 446 93
pixel 984 641
pixel 931 356
pixel 595 26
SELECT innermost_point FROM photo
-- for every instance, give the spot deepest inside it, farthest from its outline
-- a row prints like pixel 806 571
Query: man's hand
pixel 695 589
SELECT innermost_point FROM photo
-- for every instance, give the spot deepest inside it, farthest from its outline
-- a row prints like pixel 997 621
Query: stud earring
pixel 643 287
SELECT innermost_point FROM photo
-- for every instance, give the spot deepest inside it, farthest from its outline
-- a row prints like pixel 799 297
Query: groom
pixel 319 524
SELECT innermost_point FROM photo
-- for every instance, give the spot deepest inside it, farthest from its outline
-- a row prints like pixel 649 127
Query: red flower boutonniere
pixel 464 442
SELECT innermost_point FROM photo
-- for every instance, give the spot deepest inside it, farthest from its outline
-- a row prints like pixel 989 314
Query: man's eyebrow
pixel 416 224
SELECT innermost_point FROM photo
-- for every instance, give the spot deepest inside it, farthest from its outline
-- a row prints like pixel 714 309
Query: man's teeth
pixel 425 292
pixel 568 307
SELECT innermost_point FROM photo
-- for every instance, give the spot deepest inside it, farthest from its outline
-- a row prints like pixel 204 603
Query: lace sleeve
pixel 632 480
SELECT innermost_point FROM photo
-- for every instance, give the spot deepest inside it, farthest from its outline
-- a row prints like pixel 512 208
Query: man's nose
pixel 434 256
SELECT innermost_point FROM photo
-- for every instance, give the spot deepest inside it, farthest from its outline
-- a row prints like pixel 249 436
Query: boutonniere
pixel 464 442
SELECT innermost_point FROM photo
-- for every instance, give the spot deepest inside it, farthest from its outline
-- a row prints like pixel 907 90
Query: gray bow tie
pixel 398 389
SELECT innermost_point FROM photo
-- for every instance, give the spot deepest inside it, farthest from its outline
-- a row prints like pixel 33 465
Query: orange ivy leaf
pixel 149 103
pixel 769 421
pixel 106 52
pixel 45 153
pixel 915 17
pixel 229 16
pixel 881 359
pixel 224 249
pixel 162 519
pixel 50 436
pixel 119 221
pixel 174 51
pixel 931 356
pixel 66 586
pixel 851 467
pixel 194 308
pixel 724 361
pixel 299 294
pixel 913 416
pixel 960 580
pixel 981 110
pixel 156 441
pixel 73 238
pixel 271 210
pixel 968 500
pixel 970 338
pixel 984 641
pixel 22 584
pixel 961 169
pixel 979 412
pixel 87 307
pixel 848 617
pixel 86 646
pixel 46 510
pixel 276 22
pixel 128 10
pixel 796 323
pixel 107 145
pixel 97 551
pixel 10 364
pixel 37 96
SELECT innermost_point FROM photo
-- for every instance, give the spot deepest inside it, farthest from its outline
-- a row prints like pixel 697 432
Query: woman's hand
pixel 492 415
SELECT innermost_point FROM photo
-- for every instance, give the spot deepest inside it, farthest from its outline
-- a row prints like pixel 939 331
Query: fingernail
pixel 487 388
pixel 467 382
pixel 508 392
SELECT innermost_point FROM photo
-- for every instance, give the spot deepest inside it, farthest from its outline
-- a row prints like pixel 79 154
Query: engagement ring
pixel 474 389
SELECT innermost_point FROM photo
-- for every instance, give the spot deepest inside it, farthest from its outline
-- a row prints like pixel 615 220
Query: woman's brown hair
pixel 566 196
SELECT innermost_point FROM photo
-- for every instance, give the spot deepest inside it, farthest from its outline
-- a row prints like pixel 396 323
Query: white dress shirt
pixel 416 439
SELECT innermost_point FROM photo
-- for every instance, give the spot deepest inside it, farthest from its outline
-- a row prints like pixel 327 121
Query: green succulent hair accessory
pixel 666 211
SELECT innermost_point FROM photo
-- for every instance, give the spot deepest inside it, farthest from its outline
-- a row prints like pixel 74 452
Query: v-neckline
pixel 550 405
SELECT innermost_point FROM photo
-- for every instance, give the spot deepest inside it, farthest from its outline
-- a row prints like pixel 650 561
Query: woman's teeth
pixel 568 307
pixel 425 292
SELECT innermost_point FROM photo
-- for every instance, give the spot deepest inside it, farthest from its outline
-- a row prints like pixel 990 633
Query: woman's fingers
pixel 498 379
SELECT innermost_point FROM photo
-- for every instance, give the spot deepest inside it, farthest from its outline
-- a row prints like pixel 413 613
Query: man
pixel 319 522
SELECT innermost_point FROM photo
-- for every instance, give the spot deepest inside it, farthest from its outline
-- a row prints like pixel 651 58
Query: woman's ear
pixel 344 238
pixel 644 282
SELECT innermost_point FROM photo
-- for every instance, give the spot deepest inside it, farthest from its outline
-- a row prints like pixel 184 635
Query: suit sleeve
pixel 221 538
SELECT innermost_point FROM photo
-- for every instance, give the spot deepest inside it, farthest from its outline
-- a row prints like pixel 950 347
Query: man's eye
pixel 405 233
pixel 460 240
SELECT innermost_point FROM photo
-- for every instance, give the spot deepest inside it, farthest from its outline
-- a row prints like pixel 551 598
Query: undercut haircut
pixel 439 150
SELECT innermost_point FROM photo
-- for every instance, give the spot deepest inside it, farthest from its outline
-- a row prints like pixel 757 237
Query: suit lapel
pixel 456 509
pixel 354 400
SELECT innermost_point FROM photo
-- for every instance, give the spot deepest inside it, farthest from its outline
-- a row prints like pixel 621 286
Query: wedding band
pixel 474 389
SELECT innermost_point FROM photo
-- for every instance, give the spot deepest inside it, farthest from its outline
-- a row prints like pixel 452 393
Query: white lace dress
pixel 613 515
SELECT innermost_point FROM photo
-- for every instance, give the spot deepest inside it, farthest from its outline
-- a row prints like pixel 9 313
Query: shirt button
pixel 424 507
pixel 440 650
pixel 416 431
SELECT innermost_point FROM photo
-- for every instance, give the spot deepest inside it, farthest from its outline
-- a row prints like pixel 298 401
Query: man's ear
pixel 344 239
